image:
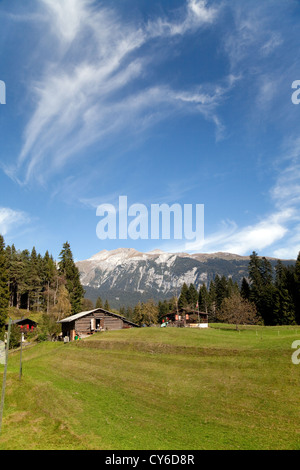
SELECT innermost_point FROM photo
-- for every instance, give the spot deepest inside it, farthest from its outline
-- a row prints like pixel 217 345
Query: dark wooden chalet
pixel 24 323
pixel 91 321
pixel 186 317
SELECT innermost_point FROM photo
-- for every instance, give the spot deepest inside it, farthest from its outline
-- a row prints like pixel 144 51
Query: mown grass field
pixel 157 388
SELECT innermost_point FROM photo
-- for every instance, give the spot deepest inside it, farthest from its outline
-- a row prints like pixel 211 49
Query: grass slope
pixel 157 388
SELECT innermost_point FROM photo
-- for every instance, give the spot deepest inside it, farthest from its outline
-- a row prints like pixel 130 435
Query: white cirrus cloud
pixel 94 83
pixel 242 241
pixel 10 219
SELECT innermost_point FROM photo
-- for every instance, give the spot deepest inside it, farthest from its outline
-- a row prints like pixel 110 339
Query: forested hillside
pixel 268 295
pixel 38 283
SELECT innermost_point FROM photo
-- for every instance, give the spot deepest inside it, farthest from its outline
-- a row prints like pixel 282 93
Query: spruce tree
pixel 255 276
pixel 256 283
pixel 34 280
pixel 122 311
pixel 192 296
pixel 183 300
pixel 50 278
pixel 212 299
pixel 23 282
pixel 221 290
pixel 129 313
pixel 284 313
pixel 163 310
pixel 70 272
pixel 99 303
pixel 204 301
pixel 245 289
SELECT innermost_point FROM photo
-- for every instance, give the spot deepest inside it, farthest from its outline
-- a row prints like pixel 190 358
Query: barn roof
pixel 83 314
pixel 76 316
pixel 22 320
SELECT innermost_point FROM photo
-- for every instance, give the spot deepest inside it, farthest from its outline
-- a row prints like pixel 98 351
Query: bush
pixel 15 337
pixel 42 336
pixel 48 328
pixel 238 311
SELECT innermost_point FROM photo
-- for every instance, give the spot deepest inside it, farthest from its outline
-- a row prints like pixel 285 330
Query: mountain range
pixel 125 276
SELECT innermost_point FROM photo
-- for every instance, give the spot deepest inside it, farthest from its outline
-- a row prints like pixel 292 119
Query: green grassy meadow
pixel 156 388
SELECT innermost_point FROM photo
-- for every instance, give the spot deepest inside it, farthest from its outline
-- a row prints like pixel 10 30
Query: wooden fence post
pixel 4 375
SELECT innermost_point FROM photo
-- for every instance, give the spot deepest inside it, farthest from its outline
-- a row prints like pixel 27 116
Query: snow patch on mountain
pixel 155 273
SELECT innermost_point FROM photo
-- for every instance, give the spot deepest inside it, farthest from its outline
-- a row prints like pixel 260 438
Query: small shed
pixel 91 321
pixel 25 324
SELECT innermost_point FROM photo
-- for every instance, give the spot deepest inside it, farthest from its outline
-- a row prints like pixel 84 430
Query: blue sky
pixel 170 101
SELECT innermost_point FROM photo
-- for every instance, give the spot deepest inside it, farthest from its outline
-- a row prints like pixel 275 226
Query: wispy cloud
pixel 89 90
pixel 282 225
pixel 233 239
pixel 11 219
pixel 252 35
pixel 197 14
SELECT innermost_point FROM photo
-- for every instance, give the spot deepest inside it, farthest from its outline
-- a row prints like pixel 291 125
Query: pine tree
pixel 261 288
pixel 255 276
pixel 106 305
pixel 221 290
pixel 183 300
pixel 245 289
pixel 50 277
pixel 18 272
pixel 122 311
pixel 204 301
pixel 99 303
pixel 129 313
pixel 284 313
pixel 232 287
pixel 70 272
pixel 34 280
pixel 212 299
pixel 137 316
pixel 280 275
pixel 163 310
pixel 192 296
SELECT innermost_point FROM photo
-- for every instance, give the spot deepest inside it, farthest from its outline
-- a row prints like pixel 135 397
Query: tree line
pixel 267 296
pixel 38 283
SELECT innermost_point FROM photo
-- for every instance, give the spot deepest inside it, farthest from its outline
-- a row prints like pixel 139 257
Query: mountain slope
pixel 125 276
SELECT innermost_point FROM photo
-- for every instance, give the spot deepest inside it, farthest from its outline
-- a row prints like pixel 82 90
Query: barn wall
pixel 83 325
pixel 113 323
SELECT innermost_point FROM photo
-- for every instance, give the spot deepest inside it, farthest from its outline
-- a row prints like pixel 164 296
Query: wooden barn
pixel 91 321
